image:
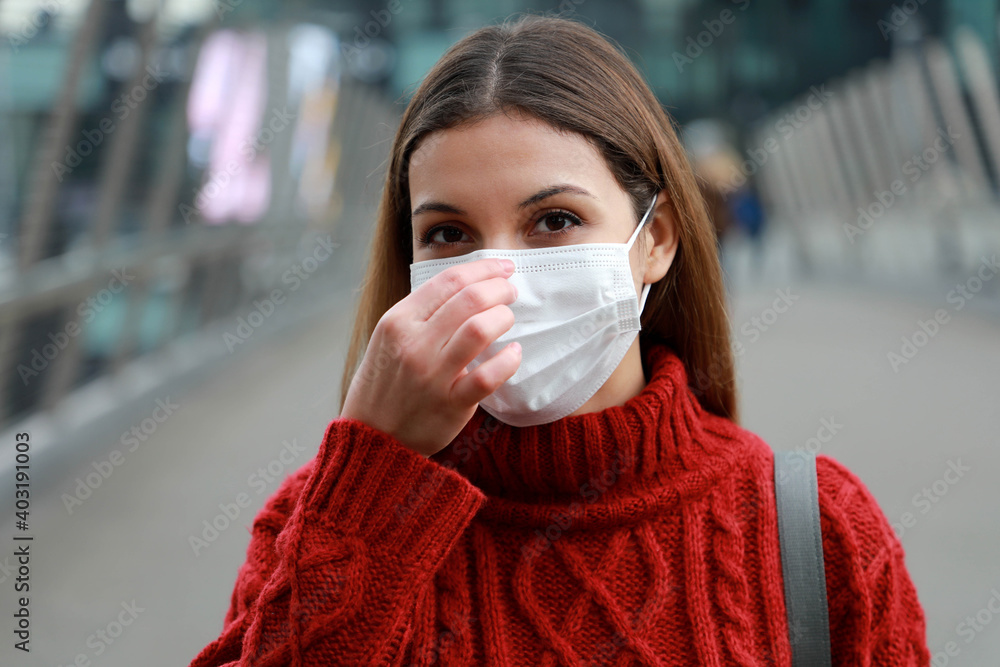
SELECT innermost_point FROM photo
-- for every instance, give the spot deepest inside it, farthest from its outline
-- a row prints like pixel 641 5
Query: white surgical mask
pixel 575 316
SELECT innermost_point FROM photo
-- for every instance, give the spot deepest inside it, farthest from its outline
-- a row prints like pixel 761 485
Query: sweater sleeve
pixel 340 554
pixel 875 615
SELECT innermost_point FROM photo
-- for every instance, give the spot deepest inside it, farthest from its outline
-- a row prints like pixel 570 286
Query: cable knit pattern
pixel 731 582
pixel 643 534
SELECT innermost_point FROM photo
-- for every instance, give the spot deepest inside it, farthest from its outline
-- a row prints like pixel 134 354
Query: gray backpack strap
pixel 801 540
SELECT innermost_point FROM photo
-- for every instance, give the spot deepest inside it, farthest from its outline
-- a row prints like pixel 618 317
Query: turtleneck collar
pixel 621 449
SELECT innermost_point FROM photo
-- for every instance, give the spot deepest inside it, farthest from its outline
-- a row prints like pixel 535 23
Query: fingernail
pixel 507 265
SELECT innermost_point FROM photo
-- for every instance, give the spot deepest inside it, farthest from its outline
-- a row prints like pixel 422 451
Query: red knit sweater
pixel 643 534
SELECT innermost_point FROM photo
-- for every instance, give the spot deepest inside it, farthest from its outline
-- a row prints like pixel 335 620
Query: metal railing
pixel 146 273
pixel 892 169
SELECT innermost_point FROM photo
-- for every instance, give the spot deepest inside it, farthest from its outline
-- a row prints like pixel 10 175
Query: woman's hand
pixel 413 383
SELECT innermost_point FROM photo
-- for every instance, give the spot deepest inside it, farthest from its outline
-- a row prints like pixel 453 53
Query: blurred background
pixel 187 189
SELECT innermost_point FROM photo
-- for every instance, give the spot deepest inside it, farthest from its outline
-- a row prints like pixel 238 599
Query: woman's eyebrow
pixel 438 206
pixel 552 190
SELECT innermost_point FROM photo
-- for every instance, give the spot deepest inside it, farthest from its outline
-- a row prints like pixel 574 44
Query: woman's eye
pixel 446 235
pixel 557 222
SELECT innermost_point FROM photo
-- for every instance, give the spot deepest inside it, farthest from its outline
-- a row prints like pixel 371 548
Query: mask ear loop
pixel 642 299
pixel 635 235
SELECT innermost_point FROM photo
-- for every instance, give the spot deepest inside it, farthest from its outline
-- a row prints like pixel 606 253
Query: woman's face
pixel 511 183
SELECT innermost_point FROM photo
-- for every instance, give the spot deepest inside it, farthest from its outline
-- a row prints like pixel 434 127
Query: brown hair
pixel 570 76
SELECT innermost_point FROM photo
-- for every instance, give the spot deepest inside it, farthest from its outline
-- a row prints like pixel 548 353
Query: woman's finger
pixel 472 300
pixel 438 290
pixel 475 335
pixel 487 377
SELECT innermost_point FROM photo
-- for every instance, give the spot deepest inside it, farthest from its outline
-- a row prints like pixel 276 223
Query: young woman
pixel 537 460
